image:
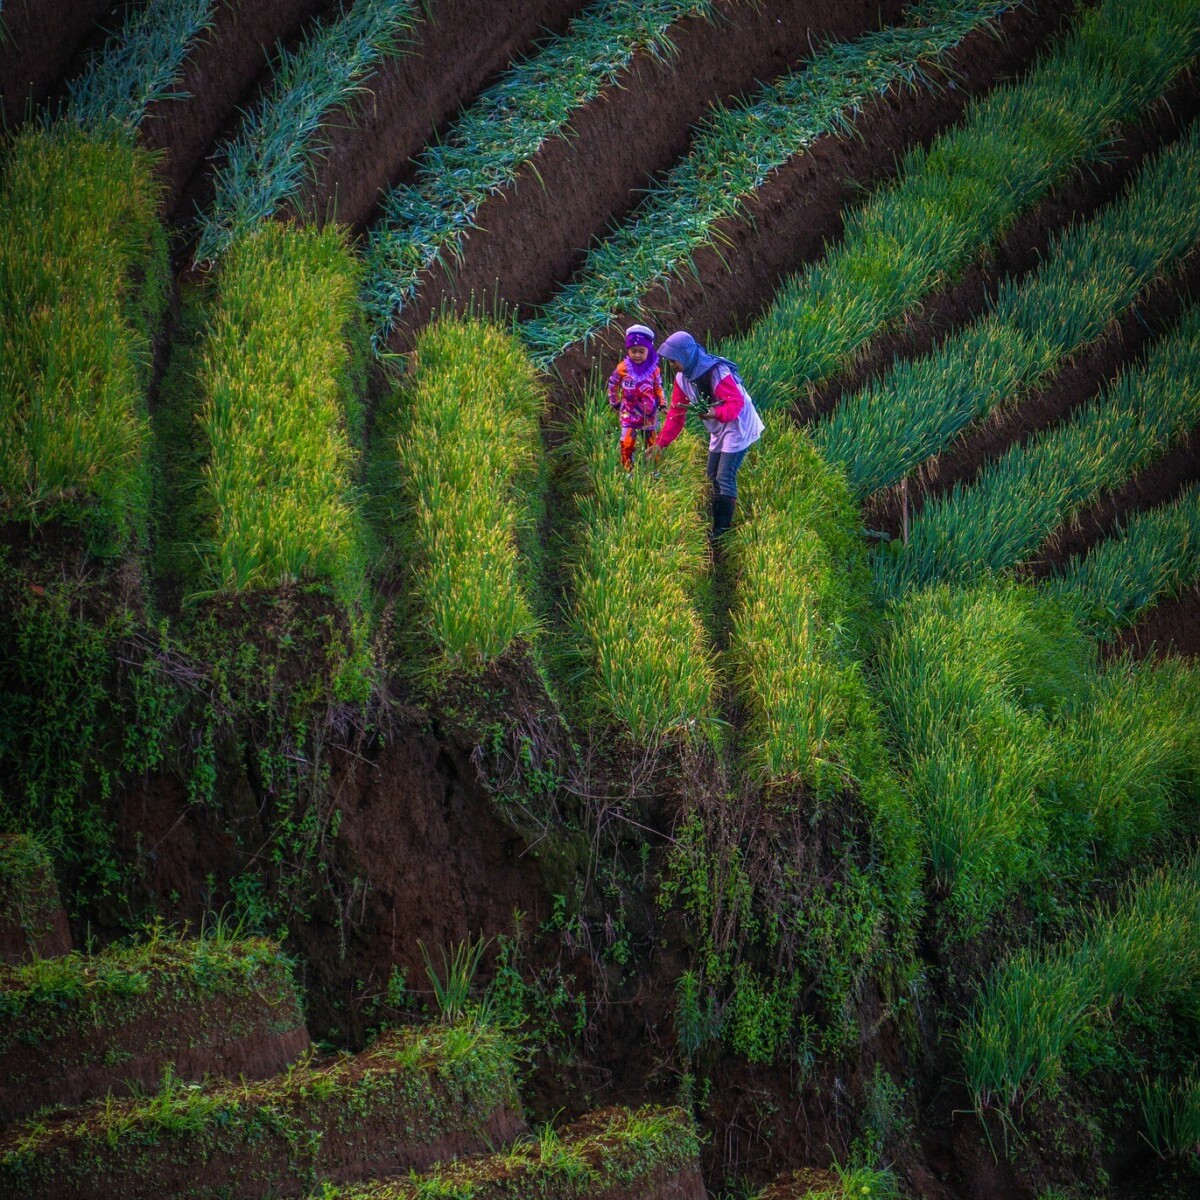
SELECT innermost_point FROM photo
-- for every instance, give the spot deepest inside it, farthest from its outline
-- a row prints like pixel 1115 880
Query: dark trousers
pixel 722 471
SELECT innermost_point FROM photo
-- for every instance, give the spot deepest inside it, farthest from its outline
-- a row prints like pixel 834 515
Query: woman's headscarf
pixel 641 335
pixel 691 356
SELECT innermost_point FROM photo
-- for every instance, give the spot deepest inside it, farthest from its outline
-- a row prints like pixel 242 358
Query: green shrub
pixel 82 287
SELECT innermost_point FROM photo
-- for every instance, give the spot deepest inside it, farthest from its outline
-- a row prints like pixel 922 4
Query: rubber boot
pixel 722 514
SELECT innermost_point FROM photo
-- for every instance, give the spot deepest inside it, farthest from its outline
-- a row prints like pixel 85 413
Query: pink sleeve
pixel 675 416
pixel 614 388
pixel 731 398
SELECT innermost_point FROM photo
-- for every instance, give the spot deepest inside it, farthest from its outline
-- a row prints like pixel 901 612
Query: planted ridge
pixel 965 190
pixel 140 66
pixel 615 1154
pixel 1143 957
pixel 81 293
pixel 460 483
pixel 1021 498
pixel 796 648
pixel 635 640
pixel 415 1098
pixel 267 164
pixel 423 222
pixel 1092 273
pixel 1033 768
pixel 734 151
pixel 279 410
pixel 1155 555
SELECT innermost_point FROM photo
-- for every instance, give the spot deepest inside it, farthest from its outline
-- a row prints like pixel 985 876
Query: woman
pixel 729 415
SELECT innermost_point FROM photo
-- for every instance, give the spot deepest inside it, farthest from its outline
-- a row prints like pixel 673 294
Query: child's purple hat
pixel 639 335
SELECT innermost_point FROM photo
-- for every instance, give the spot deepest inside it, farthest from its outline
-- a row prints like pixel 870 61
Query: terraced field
pixel 352 689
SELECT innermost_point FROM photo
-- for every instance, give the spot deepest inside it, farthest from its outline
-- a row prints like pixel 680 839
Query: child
pixel 729 415
pixel 635 388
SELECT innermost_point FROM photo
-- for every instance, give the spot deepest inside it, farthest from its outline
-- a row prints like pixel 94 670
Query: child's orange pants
pixel 629 444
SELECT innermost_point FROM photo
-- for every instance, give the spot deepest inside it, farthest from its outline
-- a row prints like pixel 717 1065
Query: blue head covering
pixel 691 356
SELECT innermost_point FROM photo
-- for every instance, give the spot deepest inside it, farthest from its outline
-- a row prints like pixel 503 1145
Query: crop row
pixel 1156 555
pixel 459 484
pixel 800 623
pixel 1142 958
pixel 733 152
pixel 636 641
pixel 265 165
pixel 961 193
pixel 424 221
pixel 1090 275
pixel 81 293
pixel 276 396
pixel 1031 766
pixel 139 66
pixel 1021 498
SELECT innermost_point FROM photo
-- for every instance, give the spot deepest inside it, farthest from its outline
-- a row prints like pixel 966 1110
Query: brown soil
pixel 358 1128
pixel 217 76
pixel 455 54
pixel 1020 251
pixel 39 39
pixel 1170 627
pixel 529 236
pixel 789 221
pixel 226 1035
pixel 424 855
pixel 1081 379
